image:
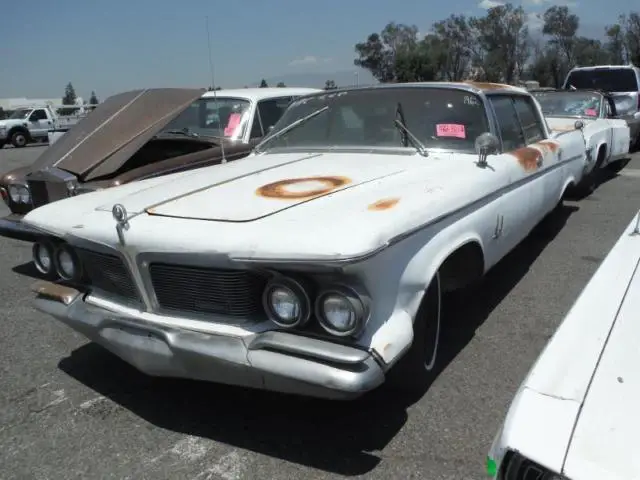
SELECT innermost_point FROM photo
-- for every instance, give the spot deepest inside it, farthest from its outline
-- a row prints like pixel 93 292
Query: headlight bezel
pixel 19 193
pixel 77 265
pixel 50 247
pixel 300 291
pixel 357 301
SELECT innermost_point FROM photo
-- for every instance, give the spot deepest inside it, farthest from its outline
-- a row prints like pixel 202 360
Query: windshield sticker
pixel 591 112
pixel 232 125
pixel 451 130
pixel 471 100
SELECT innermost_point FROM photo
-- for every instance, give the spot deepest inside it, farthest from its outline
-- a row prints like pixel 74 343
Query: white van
pixel 623 81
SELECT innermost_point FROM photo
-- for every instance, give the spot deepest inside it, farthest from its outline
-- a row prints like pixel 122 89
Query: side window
pixel 508 122
pixel 533 131
pixel 38 115
pixel 271 110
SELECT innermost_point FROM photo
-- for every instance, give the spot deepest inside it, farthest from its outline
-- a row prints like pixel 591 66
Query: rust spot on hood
pixel 527 157
pixel 384 204
pixel 563 129
pixel 300 188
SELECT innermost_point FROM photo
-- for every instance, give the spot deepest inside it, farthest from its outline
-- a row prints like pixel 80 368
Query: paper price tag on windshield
pixel 450 130
pixel 591 112
pixel 234 121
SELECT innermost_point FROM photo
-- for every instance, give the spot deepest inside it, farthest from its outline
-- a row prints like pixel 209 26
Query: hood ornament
pixel 119 214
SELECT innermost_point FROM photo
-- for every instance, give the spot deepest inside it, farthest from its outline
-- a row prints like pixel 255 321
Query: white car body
pixel 575 414
pixel 380 219
pixel 607 138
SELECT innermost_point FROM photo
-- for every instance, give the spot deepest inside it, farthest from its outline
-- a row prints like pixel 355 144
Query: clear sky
pixel 114 45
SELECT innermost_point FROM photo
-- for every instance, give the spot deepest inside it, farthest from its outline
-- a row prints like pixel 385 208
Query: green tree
pixel 281 85
pixel 330 85
pixel 502 43
pixel 616 44
pixel 452 42
pixel 93 99
pixel 263 83
pixel 69 98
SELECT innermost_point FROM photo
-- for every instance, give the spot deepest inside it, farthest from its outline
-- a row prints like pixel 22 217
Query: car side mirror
pixel 579 125
pixel 486 144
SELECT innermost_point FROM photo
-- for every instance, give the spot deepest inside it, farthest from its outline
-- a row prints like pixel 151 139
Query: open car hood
pixel 115 130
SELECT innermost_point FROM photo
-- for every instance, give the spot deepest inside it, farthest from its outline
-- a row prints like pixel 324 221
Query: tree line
pixel 497 47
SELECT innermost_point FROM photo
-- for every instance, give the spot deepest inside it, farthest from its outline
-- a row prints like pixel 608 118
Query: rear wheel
pixel 592 179
pixel 419 365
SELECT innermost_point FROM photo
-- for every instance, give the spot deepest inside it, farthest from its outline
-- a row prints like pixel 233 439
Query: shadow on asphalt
pixel 337 437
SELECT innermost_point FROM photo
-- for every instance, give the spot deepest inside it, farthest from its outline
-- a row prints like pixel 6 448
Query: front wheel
pixel 18 139
pixel 418 367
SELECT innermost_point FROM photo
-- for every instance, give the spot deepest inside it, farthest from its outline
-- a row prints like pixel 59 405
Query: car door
pixel 39 123
pixel 547 179
pixel 525 199
pixel 620 134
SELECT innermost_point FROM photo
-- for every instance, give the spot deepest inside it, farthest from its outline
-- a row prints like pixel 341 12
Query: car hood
pixel 338 204
pixel 605 436
pixel 565 124
pixel 115 130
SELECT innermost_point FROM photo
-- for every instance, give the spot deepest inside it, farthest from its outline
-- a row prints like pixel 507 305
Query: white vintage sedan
pixel 606 135
pixel 315 265
pixel 575 416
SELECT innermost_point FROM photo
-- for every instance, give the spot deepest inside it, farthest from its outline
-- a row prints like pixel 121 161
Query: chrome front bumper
pixel 11 226
pixel 276 361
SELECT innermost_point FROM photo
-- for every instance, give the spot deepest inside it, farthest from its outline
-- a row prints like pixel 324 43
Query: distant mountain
pixel 342 78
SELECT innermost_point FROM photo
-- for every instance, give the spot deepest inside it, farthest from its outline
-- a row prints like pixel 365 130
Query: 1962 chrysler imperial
pixel 575 415
pixel 316 264
pixel 142 134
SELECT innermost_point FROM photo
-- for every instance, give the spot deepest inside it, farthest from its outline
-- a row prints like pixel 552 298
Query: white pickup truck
pixel 32 124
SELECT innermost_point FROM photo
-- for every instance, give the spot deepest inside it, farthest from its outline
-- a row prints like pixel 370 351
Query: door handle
pixel 559 154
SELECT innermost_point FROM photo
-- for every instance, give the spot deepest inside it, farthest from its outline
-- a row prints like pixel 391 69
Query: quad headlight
pixel 286 302
pixel 43 257
pixel 66 263
pixel 340 311
pixel 19 194
pixel 52 259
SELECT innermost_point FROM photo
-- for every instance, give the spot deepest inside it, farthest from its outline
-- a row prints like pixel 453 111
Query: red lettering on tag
pixel 451 130
pixel 591 112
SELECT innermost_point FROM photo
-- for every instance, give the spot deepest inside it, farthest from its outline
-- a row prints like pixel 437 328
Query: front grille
pixel 236 293
pixel 43 192
pixel 108 273
pixel 39 194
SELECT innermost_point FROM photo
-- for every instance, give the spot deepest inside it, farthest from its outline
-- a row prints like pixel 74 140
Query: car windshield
pixel 444 118
pixel 570 104
pixel 217 117
pixel 20 113
pixel 607 79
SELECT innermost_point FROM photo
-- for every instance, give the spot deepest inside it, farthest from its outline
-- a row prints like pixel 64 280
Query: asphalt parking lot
pixel 69 409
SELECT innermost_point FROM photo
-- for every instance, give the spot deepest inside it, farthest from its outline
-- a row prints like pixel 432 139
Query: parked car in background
pixel 622 82
pixel 31 124
pixel 315 265
pixel 606 135
pixel 575 415
pixel 142 134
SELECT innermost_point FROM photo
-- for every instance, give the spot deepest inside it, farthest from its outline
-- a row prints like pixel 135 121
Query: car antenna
pixel 213 86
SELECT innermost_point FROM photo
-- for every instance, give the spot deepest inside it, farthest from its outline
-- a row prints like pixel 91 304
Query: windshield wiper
pixel 288 128
pixel 408 136
pixel 185 131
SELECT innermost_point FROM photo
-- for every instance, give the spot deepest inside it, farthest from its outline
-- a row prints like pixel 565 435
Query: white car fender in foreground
pixel 576 412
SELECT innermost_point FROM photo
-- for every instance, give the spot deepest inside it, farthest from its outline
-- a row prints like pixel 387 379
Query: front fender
pixel 397 278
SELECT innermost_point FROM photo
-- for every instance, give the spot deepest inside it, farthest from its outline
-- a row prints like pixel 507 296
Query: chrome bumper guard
pixel 276 361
